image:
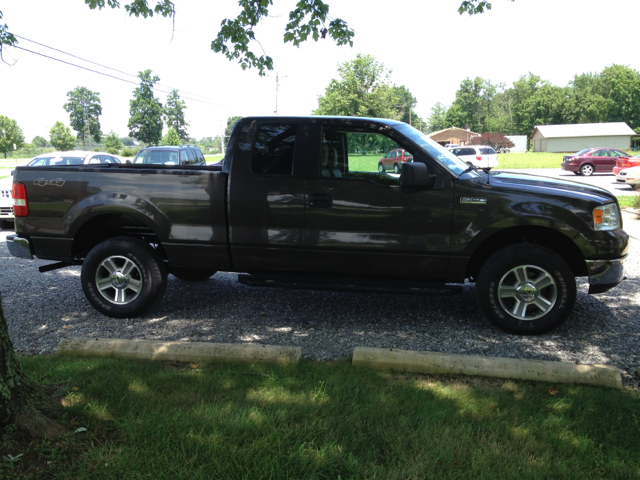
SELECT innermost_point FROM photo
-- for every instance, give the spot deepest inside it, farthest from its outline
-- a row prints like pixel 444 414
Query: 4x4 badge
pixel 476 200
pixel 41 182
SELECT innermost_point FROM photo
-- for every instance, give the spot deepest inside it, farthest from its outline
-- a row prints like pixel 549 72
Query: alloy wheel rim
pixel 527 292
pixel 119 280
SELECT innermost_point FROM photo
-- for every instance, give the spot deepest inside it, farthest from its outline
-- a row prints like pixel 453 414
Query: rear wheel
pixel 123 277
pixel 192 274
pixel 526 289
pixel 380 168
pixel 586 169
pixel 396 168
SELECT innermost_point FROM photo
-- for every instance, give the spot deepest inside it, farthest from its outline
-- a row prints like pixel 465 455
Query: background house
pixel 576 137
pixel 456 135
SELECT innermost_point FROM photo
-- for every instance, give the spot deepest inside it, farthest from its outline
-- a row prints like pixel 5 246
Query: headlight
pixel 606 217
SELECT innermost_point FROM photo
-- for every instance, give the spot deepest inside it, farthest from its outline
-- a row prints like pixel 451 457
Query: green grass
pixel 629 201
pixel 530 160
pixel 322 421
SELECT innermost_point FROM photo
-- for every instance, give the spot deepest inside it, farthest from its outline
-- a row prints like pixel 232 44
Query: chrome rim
pixel 380 168
pixel 119 280
pixel 527 292
pixel 587 170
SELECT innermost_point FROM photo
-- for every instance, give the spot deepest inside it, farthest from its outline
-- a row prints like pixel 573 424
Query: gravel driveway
pixel 43 308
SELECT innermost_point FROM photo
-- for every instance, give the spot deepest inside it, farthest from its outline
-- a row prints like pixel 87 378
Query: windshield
pixel 435 150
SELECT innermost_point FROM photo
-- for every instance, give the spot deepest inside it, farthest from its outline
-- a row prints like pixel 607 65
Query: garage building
pixel 455 135
pixel 576 137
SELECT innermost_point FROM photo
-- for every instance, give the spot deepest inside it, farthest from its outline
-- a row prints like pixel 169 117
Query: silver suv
pixel 170 155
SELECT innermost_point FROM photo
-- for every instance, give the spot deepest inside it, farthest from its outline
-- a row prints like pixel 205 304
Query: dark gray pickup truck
pixel 299 202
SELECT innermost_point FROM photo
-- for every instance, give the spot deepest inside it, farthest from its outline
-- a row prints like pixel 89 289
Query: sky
pixel 429 47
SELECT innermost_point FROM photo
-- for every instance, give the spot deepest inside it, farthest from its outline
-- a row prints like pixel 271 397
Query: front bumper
pixel 19 247
pixel 605 274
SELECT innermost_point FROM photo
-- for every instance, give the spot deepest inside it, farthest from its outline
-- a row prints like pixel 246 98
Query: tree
pixel 84 109
pixel 112 143
pixel 10 134
pixel 231 121
pixel 473 100
pixel 437 119
pixel 174 115
pixel 496 140
pixel 145 110
pixel 61 137
pixel 365 90
pixel 171 138
pixel 40 142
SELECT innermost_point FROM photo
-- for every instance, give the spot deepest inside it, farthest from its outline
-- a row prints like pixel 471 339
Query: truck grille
pixel 6 211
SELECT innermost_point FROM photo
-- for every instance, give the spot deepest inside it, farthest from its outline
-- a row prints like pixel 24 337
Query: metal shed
pixel 575 137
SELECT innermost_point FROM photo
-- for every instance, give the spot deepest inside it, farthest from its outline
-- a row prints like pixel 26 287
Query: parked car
pixel 6 203
pixel 624 162
pixel 73 157
pixel 479 155
pixel 394 160
pixel 170 155
pixel 630 176
pixel 593 160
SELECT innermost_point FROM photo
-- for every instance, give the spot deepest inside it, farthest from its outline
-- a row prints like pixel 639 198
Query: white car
pixel 6 203
pixel 479 155
pixel 73 157
pixel 630 176
pixel 451 146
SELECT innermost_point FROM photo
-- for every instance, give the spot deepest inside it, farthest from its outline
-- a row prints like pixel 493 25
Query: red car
pixel 622 163
pixel 593 160
pixel 394 160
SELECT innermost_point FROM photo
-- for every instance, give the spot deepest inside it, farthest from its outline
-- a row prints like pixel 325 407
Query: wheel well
pixel 551 239
pixel 103 227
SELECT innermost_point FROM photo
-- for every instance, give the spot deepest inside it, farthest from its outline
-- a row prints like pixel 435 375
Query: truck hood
pixel 547 186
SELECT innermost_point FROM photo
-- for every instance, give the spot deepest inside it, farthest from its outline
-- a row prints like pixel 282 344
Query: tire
pixel 396 168
pixel 576 173
pixel 586 169
pixel 381 168
pixel 192 274
pixel 526 289
pixel 123 277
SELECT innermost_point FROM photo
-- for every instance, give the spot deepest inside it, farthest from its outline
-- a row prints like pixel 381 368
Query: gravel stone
pixel 43 308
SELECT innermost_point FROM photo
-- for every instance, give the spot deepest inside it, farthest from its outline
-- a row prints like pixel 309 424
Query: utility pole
pixel 222 137
pixel 277 85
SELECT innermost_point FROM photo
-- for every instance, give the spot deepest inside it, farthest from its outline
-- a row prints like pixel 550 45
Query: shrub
pixel 130 151
pixel 493 139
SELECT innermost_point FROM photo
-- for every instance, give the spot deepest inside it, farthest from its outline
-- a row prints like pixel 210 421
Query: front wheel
pixel 123 277
pixel 586 170
pixel 526 289
pixel 381 168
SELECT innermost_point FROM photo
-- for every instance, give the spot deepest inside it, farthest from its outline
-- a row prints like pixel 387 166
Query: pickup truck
pixel 296 203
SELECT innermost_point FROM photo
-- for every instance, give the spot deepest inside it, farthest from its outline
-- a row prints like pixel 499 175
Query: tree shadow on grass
pixel 332 420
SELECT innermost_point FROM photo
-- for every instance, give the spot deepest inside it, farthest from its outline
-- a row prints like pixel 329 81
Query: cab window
pixel 273 149
pixel 356 153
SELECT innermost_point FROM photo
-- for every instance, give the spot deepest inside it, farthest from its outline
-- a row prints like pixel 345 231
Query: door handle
pixel 320 200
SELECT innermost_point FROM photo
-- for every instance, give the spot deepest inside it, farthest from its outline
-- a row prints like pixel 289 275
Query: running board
pixel 403 287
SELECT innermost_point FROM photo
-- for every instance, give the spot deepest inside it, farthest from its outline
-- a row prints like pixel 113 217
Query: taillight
pixel 623 163
pixel 478 158
pixel 20 206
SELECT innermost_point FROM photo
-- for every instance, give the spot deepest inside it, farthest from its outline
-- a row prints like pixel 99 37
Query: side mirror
pixel 416 174
pixel 12 172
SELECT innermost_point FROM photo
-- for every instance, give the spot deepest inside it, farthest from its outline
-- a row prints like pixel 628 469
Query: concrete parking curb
pixel 514 368
pixel 193 352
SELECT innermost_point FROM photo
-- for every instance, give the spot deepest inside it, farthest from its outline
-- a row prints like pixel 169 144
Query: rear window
pixel 487 151
pixel 582 152
pixel 157 157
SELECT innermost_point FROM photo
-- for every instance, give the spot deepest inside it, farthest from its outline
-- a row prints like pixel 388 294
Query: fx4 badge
pixel 476 200
pixel 41 182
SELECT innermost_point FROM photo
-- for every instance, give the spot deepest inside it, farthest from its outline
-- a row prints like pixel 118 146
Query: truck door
pixel 361 222
pixel 266 198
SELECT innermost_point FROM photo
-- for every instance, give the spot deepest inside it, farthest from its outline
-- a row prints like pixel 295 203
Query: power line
pixel 115 78
pixel 104 66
